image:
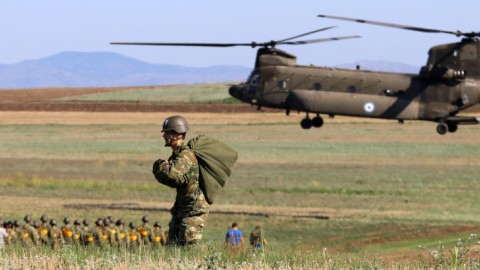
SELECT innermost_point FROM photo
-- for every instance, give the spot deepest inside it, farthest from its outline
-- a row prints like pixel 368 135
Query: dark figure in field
pixel 257 238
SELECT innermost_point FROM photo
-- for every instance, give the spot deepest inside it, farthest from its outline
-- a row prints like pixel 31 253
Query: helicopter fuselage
pixel 437 93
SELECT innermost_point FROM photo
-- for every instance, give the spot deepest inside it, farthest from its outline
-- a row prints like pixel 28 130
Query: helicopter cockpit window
pixel 254 78
pixel 282 85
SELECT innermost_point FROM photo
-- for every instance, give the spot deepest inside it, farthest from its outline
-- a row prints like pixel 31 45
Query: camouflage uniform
pixel 55 236
pixel 78 232
pixel 43 232
pixel 191 208
pixel 109 233
pixel 135 238
pixel 97 236
pixel 123 237
pixel 68 233
pixel 160 238
pixel 257 238
pixel 147 233
pixel 28 235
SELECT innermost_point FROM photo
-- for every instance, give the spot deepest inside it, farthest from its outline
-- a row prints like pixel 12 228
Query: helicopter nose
pixel 237 92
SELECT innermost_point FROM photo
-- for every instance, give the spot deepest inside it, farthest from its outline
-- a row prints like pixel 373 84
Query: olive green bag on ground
pixel 216 160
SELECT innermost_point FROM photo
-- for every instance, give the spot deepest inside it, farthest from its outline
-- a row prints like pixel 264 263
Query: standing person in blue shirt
pixel 234 236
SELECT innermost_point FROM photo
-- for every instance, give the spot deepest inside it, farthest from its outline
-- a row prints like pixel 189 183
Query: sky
pixel 32 29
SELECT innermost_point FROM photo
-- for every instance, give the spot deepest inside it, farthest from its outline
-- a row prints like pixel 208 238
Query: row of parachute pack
pixel 104 232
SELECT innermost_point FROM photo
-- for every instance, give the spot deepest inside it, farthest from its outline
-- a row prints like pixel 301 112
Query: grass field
pixel 355 187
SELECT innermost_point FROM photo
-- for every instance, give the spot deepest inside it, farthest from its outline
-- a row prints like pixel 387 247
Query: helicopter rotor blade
pixel 305 34
pixel 406 27
pixel 267 44
pixel 253 44
pixel 317 40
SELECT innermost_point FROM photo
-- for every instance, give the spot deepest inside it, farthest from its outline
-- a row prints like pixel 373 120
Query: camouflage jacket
pixel 182 172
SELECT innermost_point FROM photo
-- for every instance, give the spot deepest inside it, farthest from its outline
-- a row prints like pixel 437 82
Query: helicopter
pixel 446 85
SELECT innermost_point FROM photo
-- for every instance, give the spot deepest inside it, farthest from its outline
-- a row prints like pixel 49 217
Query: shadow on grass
pixel 137 207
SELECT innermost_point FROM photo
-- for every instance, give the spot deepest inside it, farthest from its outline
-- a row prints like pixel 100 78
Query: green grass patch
pixel 203 93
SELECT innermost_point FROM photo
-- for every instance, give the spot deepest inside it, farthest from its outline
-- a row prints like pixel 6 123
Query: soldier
pixel 43 229
pixel 109 233
pixel 134 235
pixel 181 171
pixel 55 235
pixel 146 231
pixel 77 231
pixel 87 238
pixel 3 235
pixel 28 234
pixel 123 239
pixel 67 231
pixel 257 238
pixel 160 238
pixel 36 226
pixel 97 233
pixel 14 233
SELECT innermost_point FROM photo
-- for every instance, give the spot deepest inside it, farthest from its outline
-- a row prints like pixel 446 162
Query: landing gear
pixel 317 121
pixel 452 128
pixel 442 128
pixel 307 123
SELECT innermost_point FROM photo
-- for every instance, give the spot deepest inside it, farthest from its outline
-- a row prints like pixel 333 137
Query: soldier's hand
pixel 156 165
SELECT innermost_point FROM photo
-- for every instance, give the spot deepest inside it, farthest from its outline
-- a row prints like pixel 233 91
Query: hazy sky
pixel 32 29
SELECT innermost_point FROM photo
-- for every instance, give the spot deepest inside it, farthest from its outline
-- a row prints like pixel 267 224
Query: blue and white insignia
pixel 369 107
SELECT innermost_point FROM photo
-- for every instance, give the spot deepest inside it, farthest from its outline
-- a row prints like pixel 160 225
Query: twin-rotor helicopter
pixel 446 85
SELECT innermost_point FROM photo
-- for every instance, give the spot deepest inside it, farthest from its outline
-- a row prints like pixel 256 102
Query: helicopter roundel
pixel 369 107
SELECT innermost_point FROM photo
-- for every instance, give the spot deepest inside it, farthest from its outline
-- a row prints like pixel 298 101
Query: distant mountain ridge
pixel 99 69
pixel 106 69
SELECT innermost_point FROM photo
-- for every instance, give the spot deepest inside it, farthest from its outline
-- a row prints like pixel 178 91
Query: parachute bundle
pixel 216 160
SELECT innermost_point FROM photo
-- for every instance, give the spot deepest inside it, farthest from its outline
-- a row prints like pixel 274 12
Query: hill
pixel 98 69
pixel 106 69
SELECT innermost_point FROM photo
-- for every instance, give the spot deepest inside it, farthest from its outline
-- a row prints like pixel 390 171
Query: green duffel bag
pixel 216 160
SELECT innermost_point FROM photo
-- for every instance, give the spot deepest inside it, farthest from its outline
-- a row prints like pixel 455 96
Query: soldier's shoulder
pixel 188 154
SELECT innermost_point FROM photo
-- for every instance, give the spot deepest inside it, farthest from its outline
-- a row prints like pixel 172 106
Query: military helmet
pixel 175 123
pixel 106 221
pixel 53 222
pixel 35 224
pixel 16 223
pixel 99 222
pixel 77 222
pixel 44 218
pixel 8 224
pixel 119 222
pixel 66 220
pixel 145 219
pixel 157 224
pixel 86 222
pixel 132 225
pixel 28 219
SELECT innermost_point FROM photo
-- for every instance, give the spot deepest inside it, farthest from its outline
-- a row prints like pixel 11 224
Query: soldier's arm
pixel 174 173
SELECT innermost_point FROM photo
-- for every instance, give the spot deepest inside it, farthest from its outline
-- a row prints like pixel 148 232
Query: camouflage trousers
pixel 186 231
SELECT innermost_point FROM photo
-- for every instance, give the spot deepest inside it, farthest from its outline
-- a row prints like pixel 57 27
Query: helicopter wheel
pixel 452 128
pixel 317 121
pixel 306 123
pixel 442 129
